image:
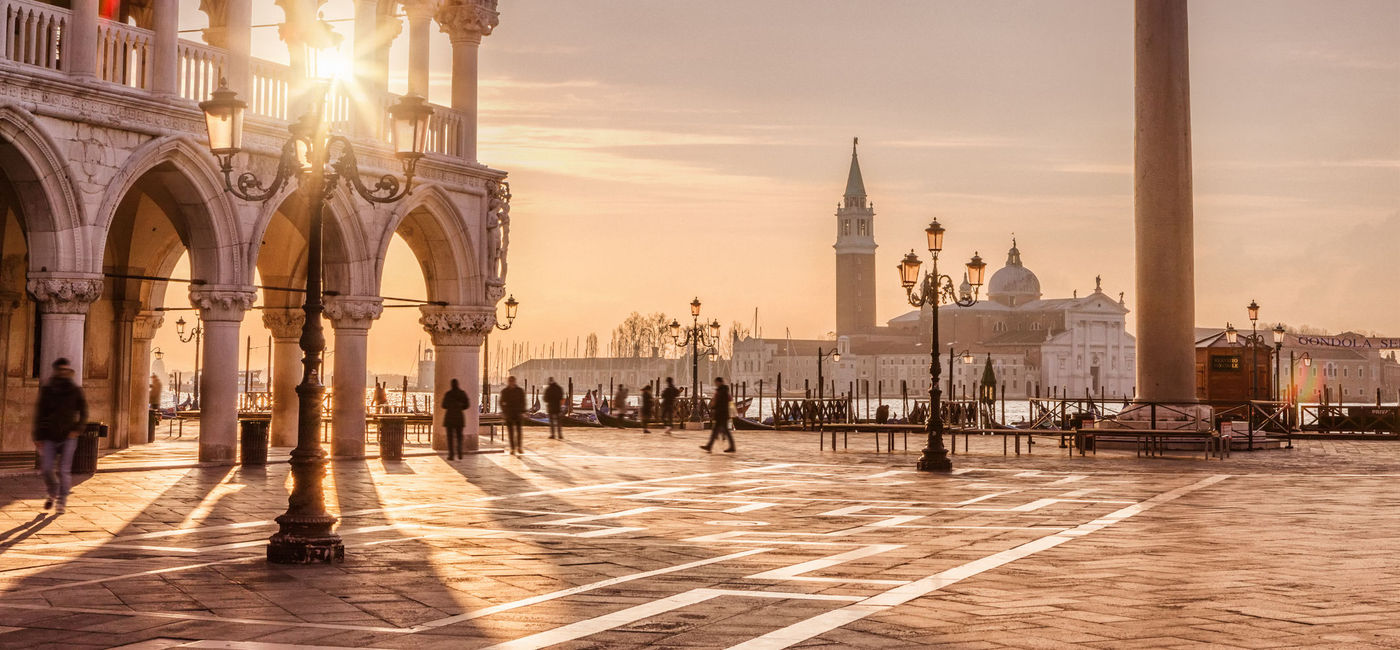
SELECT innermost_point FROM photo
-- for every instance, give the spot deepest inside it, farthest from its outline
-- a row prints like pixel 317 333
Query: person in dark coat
pixel 648 406
pixel 59 418
pixel 513 408
pixel 719 409
pixel 668 403
pixel 554 405
pixel 455 402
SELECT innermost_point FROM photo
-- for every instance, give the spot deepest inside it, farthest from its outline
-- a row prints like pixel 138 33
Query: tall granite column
pixel 143 329
pixel 465 22
pixel 222 313
pixel 351 317
pixel 457 334
pixel 285 325
pixel 1166 292
pixel 63 304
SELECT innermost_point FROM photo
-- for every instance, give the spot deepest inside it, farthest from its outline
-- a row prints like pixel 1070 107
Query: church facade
pixel 1038 346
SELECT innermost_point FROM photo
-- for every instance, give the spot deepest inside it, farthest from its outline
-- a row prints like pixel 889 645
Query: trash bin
pixel 391 431
pixel 85 456
pixel 252 441
pixel 152 419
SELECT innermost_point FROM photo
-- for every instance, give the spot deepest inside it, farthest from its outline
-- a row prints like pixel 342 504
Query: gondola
pixel 748 424
pixel 577 419
pixel 607 420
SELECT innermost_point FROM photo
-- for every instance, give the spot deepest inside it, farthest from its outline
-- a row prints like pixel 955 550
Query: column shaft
pixel 63 338
pixel 80 41
pixel 458 362
pixel 238 30
pixel 286 374
pixel 419 22
pixel 348 392
pixel 218 413
pixel 165 76
pixel 464 91
pixel 1166 369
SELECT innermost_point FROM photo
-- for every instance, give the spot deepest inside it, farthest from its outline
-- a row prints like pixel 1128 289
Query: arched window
pixel 846 227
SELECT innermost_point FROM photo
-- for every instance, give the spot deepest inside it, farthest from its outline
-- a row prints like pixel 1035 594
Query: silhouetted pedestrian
pixel 648 406
pixel 513 408
pixel 554 405
pixel 719 409
pixel 455 402
pixel 58 419
pixel 668 403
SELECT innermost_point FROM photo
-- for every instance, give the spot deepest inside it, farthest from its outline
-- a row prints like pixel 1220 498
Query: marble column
pixel 143 329
pixel 457 334
pixel 63 304
pixel 351 317
pixel 165 69
pixel 79 45
pixel 285 325
pixel 375 30
pixel 238 36
pixel 465 22
pixel 420 18
pixel 122 363
pixel 222 311
pixel 1166 297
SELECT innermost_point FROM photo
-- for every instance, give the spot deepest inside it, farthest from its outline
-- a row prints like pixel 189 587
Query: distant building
pixel 1038 346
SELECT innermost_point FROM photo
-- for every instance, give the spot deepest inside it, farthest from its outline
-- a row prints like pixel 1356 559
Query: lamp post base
pixel 299 543
pixel 935 461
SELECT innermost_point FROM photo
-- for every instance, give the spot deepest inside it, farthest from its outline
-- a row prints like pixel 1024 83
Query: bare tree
pixel 590 346
pixel 640 336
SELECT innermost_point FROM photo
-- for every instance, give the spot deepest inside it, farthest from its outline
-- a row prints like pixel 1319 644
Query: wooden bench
pixel 1153 442
pixel 846 430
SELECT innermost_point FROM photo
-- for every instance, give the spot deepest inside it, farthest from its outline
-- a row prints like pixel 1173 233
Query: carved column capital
pixel 458 325
pixel 284 323
pixel 353 312
pixel 226 304
pixel 64 294
pixel 146 323
pixel 466 21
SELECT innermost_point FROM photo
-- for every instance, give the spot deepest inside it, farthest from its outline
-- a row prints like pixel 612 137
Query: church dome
pixel 1014 284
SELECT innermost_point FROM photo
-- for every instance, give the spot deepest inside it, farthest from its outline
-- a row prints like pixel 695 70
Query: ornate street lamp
pixel 1279 334
pixel 319 161
pixel 195 335
pixel 1255 341
pixel 821 379
pixel 512 305
pixel 695 336
pixel 935 290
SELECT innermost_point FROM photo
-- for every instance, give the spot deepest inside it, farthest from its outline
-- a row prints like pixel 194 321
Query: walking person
pixel 554 405
pixel 58 419
pixel 455 402
pixel 668 403
pixel 719 409
pixel 513 408
pixel 648 406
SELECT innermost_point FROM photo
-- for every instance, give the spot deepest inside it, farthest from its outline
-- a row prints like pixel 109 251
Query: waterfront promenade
pixel 619 539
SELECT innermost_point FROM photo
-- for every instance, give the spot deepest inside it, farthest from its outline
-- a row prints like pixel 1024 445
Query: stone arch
pixel 52 215
pixel 432 222
pixel 348 265
pixel 193 196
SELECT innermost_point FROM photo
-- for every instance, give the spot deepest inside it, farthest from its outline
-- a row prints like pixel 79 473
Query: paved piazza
pixel 617 539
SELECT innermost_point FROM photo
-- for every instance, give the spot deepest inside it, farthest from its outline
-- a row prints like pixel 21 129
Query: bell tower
pixel 855 256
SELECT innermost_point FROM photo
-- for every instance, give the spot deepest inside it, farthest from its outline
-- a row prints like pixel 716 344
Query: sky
pixel 660 151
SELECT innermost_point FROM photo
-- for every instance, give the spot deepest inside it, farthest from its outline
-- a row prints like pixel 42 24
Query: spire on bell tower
pixel 855 185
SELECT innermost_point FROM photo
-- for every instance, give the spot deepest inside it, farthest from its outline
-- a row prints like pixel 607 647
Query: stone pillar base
pixel 1187 417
